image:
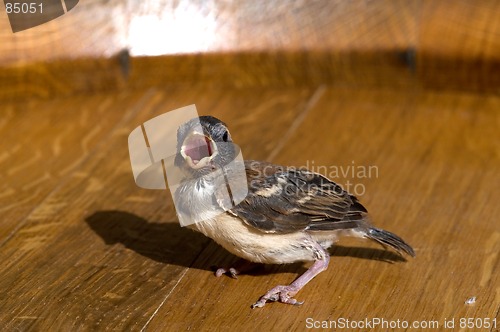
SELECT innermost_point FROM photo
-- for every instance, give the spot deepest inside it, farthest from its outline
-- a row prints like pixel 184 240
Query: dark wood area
pixel 410 88
pixel 440 45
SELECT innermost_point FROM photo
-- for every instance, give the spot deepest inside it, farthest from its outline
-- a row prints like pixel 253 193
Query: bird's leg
pixel 239 267
pixel 285 294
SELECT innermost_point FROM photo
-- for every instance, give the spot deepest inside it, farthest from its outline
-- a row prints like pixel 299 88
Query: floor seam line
pixel 22 223
pixel 153 315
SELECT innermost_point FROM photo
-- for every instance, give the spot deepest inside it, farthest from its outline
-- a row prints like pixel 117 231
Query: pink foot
pixel 231 271
pixel 283 294
pixel 239 267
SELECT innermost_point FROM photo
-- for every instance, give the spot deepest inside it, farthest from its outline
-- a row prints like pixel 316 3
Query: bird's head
pixel 204 145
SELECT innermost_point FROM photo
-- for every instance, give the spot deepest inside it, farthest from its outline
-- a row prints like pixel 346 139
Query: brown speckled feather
pixel 284 200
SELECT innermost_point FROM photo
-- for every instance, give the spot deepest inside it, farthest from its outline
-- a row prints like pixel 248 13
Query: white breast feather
pixel 243 241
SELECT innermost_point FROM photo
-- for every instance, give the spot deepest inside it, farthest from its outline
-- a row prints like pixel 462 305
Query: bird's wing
pixel 282 200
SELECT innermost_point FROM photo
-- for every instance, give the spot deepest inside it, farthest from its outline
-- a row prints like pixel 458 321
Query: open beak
pixel 198 150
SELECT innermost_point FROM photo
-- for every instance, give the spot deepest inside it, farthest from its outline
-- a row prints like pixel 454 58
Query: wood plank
pixel 43 142
pixel 329 42
pixel 100 253
pixel 378 68
pixel 450 45
pixel 391 68
pixel 63 78
pixel 101 29
pixel 459 47
pixel 91 29
pixel 437 158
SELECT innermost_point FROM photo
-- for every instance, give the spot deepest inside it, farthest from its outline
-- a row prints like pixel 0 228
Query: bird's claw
pixel 233 273
pixel 239 267
pixel 283 294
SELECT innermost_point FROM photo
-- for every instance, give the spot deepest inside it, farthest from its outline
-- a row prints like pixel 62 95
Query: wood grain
pixel 96 246
pixel 436 188
pixel 61 79
pixel 43 142
pixel 459 46
pixel 446 45
pixel 240 70
pixel 103 28
pixel 407 88
pixel 92 29
pixel 99 253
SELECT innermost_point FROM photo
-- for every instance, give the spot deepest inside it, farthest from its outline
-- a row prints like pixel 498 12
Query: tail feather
pixel 391 240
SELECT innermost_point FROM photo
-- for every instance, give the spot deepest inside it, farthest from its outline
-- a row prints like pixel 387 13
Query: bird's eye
pixel 225 136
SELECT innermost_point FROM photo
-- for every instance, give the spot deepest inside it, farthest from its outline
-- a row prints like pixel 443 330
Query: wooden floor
pixel 396 100
pixel 83 248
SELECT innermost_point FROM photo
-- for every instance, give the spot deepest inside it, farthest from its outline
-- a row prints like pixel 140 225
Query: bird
pixel 288 214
